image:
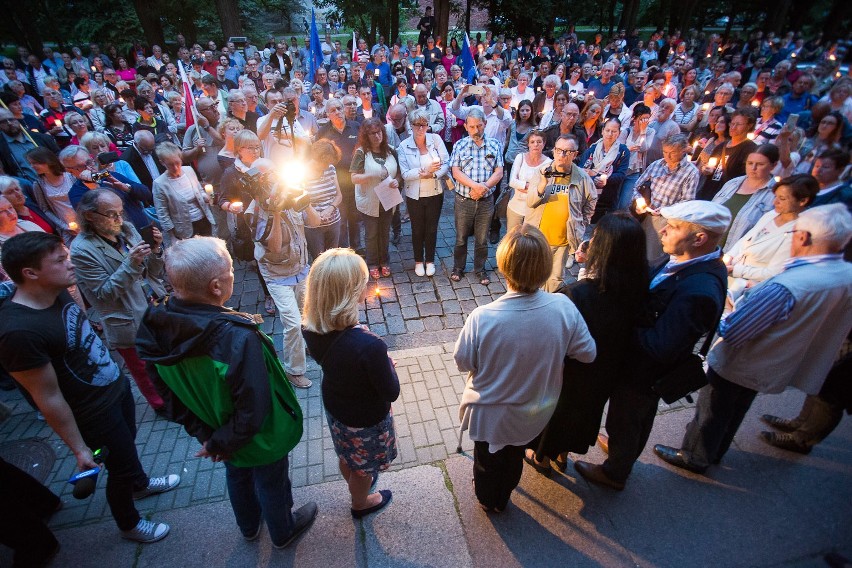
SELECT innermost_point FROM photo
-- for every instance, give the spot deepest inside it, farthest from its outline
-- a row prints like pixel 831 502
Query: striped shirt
pixel 767 305
pixel 767 131
pixel 323 191
pixel 477 162
pixel 669 187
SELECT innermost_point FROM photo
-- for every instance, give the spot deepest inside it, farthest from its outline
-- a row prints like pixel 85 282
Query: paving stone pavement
pixel 418 317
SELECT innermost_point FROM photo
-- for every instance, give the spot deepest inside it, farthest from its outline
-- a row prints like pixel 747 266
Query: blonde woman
pixel 359 381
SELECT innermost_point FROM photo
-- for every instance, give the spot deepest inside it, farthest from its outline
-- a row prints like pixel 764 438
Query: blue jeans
pixel 350 222
pixel 115 429
pixel 473 217
pixel 321 239
pixel 625 194
pixel 262 490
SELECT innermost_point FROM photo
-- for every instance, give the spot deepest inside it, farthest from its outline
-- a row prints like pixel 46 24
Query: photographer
pixel 134 196
pixel 278 226
pixel 282 135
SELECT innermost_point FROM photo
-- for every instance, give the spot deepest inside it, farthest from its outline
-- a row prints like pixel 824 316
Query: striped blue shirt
pixel 477 162
pixel 767 305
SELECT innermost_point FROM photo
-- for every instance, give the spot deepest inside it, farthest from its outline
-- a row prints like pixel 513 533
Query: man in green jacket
pixel 220 377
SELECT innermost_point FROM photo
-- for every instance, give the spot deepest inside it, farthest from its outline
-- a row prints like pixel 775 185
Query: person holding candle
pixel 423 162
pixel 638 137
pixel 359 380
pixel 526 172
pixel 730 156
pixel 606 161
pixel 763 250
pixel 768 126
pixel 51 189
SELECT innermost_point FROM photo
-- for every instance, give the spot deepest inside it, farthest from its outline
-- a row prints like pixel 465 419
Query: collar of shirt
pixel 813 259
pixel 829 189
pixel 673 267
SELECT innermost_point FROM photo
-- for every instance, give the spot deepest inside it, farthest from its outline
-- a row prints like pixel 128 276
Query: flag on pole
pixel 467 63
pixel 316 49
pixel 354 49
pixel 188 100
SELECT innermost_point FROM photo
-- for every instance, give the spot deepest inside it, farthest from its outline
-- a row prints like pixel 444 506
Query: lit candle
pixel 121 100
pixel 378 291
pixel 237 205
pixel 726 259
pixel 376 73
pixel 72 226
pixel 641 204
pixel 755 103
pixel 58 122
pixel 777 179
pixel 603 178
pixel 750 136
pixel 832 57
pixel 712 162
pixel 93 68
pixel 793 55
pixel 209 189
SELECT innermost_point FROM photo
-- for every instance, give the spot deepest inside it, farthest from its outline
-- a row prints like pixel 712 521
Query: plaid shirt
pixel 669 187
pixel 477 162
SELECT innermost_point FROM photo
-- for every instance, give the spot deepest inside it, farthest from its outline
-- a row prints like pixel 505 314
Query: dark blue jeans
pixel 265 491
pixel 473 217
pixel 350 222
pixel 115 428
pixel 321 239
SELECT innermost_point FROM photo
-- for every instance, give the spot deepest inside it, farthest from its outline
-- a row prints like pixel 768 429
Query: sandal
pixel 374 273
pixel 483 278
pixel 386 271
pixel 456 275
pixel 561 462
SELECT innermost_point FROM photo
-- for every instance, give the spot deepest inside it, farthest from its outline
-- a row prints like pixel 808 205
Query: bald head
pixel 421 94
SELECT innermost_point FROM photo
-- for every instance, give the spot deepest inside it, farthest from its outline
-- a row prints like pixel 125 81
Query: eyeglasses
pixel 563 152
pixel 112 215
pixel 798 231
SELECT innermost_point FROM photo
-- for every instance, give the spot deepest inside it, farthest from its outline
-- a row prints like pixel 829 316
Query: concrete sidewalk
pixel 761 507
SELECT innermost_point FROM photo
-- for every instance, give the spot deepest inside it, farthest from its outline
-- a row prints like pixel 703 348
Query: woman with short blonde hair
pixel 359 381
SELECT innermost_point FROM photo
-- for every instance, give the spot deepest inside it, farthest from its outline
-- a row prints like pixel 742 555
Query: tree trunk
pixel 442 19
pixel 394 22
pixel 229 16
pixel 611 15
pixel 150 21
pixel 731 15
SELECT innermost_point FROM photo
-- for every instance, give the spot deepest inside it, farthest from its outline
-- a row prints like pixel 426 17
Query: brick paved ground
pixel 418 317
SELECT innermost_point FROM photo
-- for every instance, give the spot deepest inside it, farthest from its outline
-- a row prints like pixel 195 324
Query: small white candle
pixel 705 106
pixel 603 178
pixel 57 122
pixel 750 136
pixel 712 162
pixel 755 103
pixel 236 205
pixel 726 259
pixel 641 205
pixel 72 226
pixel 209 189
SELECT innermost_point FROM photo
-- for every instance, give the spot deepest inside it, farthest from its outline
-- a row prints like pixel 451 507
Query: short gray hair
pixel 552 80
pixel 192 263
pixel 418 114
pixel 142 135
pixel 476 113
pixel 89 139
pixel 7 181
pixel 828 224
pixel 168 149
pixel 679 141
pixel 70 152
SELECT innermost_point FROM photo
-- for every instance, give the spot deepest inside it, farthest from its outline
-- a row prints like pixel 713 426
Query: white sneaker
pixel 146 532
pixel 418 269
pixel 430 269
pixel 158 485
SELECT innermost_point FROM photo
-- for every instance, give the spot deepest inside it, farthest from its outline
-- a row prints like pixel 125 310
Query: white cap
pixel 712 216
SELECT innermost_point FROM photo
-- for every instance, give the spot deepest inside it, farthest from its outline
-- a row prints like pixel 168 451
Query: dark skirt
pixel 369 450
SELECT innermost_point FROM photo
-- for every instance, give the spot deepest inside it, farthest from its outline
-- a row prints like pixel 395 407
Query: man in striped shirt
pixel 785 332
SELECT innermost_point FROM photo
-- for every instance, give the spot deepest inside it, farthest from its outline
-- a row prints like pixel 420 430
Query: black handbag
pixel 688 376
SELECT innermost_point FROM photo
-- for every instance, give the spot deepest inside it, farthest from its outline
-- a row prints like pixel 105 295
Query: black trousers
pixel 496 475
pixel 629 421
pixel 720 410
pixel 24 503
pixel 425 214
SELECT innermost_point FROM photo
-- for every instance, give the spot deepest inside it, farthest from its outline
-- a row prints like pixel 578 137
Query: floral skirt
pixel 368 450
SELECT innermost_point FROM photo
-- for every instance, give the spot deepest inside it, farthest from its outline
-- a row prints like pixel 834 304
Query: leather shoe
pixel 603 442
pixel 595 474
pixel 303 518
pixel 543 469
pixel 677 458
pixel 785 442
pixel 779 423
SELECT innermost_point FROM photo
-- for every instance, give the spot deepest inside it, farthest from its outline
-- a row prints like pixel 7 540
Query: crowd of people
pixel 699 183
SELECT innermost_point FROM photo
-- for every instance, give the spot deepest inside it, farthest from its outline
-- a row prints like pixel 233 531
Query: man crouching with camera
pixel 278 217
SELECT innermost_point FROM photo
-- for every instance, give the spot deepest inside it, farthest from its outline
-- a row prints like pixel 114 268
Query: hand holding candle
pixel 713 162
pixel 641 205
pixel 209 189
pixel 236 207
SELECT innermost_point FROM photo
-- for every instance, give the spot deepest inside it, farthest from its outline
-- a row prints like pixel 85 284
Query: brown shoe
pixel 595 474
pixel 603 442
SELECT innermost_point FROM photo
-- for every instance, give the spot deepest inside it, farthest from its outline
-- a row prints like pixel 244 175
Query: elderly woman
pixel 359 380
pixel 526 172
pixel 747 96
pixel 304 98
pixel 761 252
pixel 686 112
pixel 606 162
pixel 322 185
pixel 10 188
pixel 638 137
pixel 78 125
pixel 175 102
pixel 510 395
pixel 97 114
pixel 749 197
pixel 423 161
pixel 374 162
pixel 768 126
pixel 98 143
pixel 183 208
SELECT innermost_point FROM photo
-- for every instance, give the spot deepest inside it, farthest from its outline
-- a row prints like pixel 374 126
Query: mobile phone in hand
pixel 147 234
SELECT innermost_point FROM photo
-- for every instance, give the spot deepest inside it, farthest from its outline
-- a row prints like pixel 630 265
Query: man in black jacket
pixel 685 301
pixel 14 144
pixel 142 158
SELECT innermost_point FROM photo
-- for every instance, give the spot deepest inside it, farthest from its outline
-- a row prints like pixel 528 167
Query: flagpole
pixel 192 108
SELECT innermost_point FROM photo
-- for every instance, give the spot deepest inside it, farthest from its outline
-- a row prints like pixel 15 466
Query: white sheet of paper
pixel 388 196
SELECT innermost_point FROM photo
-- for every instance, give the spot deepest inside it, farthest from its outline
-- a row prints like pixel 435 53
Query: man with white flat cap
pixel 684 303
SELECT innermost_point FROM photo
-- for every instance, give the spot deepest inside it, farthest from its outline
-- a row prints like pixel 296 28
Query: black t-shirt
pixel 88 378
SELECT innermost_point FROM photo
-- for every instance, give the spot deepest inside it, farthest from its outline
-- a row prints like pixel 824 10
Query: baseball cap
pixel 712 216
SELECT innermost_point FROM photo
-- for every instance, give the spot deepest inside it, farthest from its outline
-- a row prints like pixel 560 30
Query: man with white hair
pixel 436 115
pixel 238 108
pixel 664 127
pixel 686 298
pixel 543 101
pixel 785 332
pixel 193 338
pixel 600 87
